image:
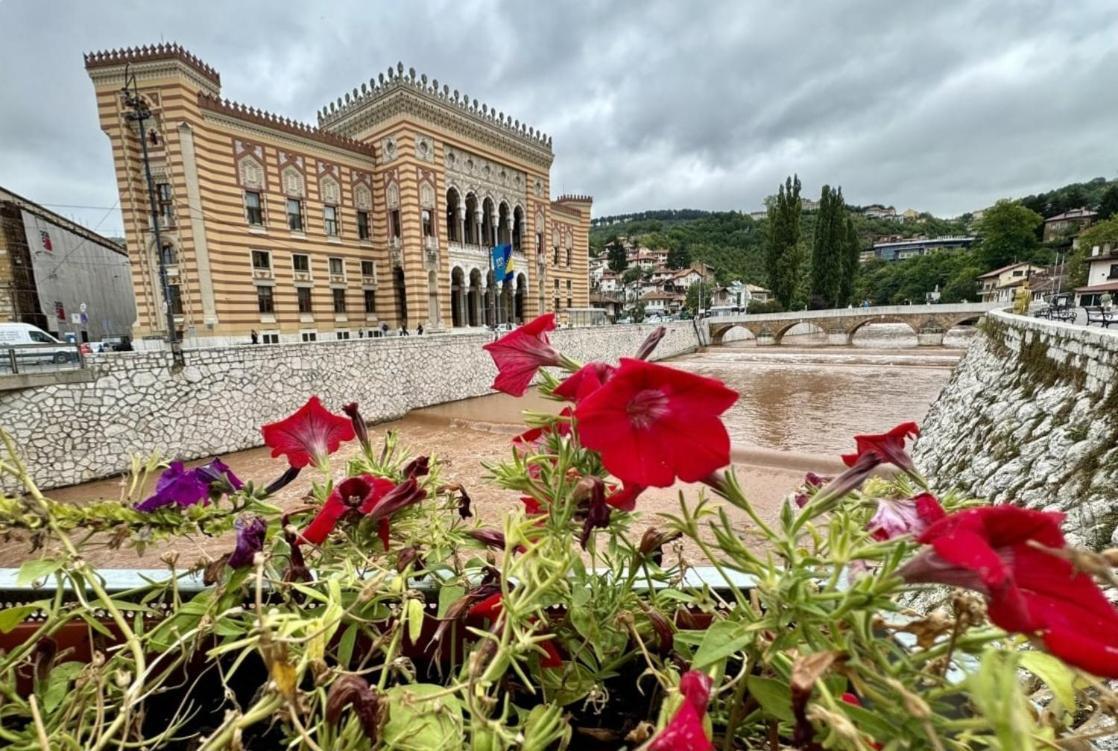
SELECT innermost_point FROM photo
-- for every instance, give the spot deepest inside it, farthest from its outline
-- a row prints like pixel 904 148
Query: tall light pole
pixel 139 113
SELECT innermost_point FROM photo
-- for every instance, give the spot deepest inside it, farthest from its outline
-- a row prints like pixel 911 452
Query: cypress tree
pixel 783 250
pixel 851 257
pixel 828 263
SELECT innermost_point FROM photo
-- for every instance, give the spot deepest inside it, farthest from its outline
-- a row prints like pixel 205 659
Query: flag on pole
pixel 501 255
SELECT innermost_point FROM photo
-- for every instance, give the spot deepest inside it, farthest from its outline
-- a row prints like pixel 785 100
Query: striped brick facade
pixel 398 150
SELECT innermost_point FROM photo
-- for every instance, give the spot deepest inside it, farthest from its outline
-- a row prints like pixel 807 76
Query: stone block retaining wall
pixel 139 403
pixel 1031 416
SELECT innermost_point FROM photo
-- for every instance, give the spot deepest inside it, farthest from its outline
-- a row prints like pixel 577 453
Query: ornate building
pixel 382 213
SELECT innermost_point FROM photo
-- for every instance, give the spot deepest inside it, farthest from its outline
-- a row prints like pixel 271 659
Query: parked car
pixel 32 346
pixel 108 344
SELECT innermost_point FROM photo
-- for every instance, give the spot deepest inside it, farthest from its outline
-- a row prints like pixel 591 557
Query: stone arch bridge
pixel 929 322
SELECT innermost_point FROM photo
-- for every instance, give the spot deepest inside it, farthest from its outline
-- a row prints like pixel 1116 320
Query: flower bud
pixel 464 504
pixel 489 537
pixel 359 427
pixel 650 342
pixel 653 541
pixel 409 556
pixel 282 481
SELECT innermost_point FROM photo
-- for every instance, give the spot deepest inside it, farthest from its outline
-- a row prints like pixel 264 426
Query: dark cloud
pixel 938 106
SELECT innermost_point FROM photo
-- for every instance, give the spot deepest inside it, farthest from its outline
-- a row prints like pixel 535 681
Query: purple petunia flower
pixel 218 471
pixel 250 541
pixel 176 485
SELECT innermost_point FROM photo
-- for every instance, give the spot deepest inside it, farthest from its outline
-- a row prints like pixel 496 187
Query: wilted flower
pixel 598 511
pixel 998 552
pixel 889 447
pixel 250 540
pixel 653 541
pixel 464 511
pixel 417 467
pixel 520 353
pixel 297 570
pixel 905 516
pixel 309 435
pixel 409 556
pixel 685 731
pixel 653 424
pixel 354 691
pixel 811 483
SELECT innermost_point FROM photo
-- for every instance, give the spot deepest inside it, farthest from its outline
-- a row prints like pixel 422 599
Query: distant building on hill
pixel 60 276
pixel 910 215
pixel 898 250
pixel 877 211
pixel 1102 275
pixel 1001 285
pixel 1068 224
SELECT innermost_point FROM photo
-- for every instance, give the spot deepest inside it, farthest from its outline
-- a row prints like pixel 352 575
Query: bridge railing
pixel 977 308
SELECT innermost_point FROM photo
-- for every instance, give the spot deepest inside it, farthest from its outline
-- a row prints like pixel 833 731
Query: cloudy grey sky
pixel 941 106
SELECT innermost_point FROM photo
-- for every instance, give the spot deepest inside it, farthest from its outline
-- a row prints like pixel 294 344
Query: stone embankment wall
pixel 1031 416
pixel 139 403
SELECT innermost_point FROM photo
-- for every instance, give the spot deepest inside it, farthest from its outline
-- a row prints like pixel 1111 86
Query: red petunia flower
pixel 905 516
pixel 521 352
pixel 685 731
pixel 625 499
pixel 992 550
pixel 653 424
pixel 532 507
pixel 889 447
pixel 584 381
pixel 309 435
pixel 354 494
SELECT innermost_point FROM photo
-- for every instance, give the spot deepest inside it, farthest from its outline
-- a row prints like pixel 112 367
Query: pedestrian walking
pixel 255 337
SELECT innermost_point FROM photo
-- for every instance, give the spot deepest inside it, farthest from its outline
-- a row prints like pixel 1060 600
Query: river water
pixel 800 404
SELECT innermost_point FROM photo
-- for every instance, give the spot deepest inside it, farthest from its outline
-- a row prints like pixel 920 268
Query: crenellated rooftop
pixel 168 51
pixel 286 124
pixel 574 197
pixel 395 79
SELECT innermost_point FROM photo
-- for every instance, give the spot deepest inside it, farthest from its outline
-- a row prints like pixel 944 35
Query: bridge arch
pixel 817 326
pixel 916 326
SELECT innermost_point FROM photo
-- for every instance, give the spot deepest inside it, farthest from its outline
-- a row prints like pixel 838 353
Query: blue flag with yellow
pixel 501 255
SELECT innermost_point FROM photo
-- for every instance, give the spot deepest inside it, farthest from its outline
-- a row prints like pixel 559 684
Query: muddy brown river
pixel 799 406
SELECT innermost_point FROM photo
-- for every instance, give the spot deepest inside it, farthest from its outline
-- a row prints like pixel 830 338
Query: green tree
pixel 679 256
pixel 827 252
pixel 615 256
pixel 631 275
pixel 962 286
pixel 783 251
pixel 1108 204
pixel 698 297
pixel 1009 234
pixel 851 258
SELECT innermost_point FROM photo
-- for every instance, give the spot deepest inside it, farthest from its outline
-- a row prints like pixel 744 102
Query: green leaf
pixel 773 696
pixel 422 717
pixel 721 640
pixel 568 684
pixel 58 684
pixel 996 692
pixel 32 571
pixel 447 597
pixel 414 618
pixel 13 616
pixel 1059 678
pixel 346 644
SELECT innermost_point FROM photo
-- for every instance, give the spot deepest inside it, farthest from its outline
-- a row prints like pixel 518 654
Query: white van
pixel 32 346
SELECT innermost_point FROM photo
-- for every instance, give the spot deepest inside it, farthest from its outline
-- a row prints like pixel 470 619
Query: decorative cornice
pixel 170 51
pixel 282 124
pixel 397 93
pixel 574 198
